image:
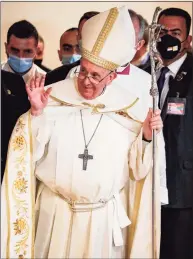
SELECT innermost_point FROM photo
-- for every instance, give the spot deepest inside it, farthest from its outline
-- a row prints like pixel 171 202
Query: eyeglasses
pixel 93 79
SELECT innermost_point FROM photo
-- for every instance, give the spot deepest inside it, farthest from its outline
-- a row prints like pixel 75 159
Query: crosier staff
pixel 154 30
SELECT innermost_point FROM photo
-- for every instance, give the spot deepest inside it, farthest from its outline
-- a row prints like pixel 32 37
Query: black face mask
pixel 168 46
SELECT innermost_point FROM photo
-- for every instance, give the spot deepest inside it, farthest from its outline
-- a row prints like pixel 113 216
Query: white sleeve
pixel 140 157
pixel 140 162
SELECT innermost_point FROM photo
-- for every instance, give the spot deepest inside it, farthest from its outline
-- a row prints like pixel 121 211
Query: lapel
pixel 12 83
pixel 180 84
pixel 14 96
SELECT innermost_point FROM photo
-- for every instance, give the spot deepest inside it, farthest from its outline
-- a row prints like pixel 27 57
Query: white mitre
pixel 108 39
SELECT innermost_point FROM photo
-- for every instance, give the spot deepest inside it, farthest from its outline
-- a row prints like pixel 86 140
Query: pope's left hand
pixel 152 122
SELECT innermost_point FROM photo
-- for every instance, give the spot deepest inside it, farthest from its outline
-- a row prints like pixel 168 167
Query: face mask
pixel 168 46
pixel 20 65
pixel 66 60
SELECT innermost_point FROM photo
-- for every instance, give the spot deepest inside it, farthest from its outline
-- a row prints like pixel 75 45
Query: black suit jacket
pixel 14 102
pixel 178 135
pixel 59 73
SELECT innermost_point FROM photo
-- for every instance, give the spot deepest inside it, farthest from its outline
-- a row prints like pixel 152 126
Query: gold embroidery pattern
pixel 124 114
pixel 61 102
pixel 31 187
pixel 94 107
pixel 18 143
pixel 20 124
pixel 107 27
pixel 20 191
pixel 20 185
pixel 98 60
pixel 20 226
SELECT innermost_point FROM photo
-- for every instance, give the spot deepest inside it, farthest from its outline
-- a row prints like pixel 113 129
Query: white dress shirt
pixel 34 71
pixel 173 70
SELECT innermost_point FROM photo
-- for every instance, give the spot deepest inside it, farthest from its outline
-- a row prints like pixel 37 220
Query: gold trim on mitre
pixel 98 46
pixel 101 62
pixel 107 27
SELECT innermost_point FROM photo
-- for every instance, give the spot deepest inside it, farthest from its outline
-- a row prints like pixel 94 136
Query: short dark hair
pixel 178 12
pixel 23 30
pixel 87 16
pixel 72 29
pixel 69 30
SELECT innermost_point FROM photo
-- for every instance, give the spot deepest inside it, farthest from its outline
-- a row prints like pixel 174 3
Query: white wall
pixel 53 18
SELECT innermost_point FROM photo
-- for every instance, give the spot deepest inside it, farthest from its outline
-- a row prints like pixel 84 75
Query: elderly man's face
pixel 21 48
pixel 69 44
pixel 87 86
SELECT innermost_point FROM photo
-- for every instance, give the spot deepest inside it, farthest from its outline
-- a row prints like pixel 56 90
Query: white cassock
pixel 33 72
pixel 138 82
pixel 101 212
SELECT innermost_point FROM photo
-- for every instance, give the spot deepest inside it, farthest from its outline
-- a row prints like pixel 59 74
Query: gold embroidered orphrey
pixel 107 27
pixel 20 197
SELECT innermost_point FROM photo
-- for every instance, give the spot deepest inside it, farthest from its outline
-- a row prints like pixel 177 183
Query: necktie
pixel 161 81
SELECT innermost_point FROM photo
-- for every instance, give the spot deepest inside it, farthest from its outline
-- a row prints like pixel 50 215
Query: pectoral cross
pixel 85 158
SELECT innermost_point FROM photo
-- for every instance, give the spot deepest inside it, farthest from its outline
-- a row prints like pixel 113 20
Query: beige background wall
pixel 53 18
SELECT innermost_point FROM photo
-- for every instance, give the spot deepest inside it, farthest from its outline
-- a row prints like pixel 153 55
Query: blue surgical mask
pixel 66 60
pixel 20 65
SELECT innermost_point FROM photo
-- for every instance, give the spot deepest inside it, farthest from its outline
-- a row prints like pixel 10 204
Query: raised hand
pixel 38 97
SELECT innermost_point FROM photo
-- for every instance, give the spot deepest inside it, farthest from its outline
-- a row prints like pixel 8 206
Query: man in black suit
pixel 60 73
pixel 176 101
pixel 14 102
